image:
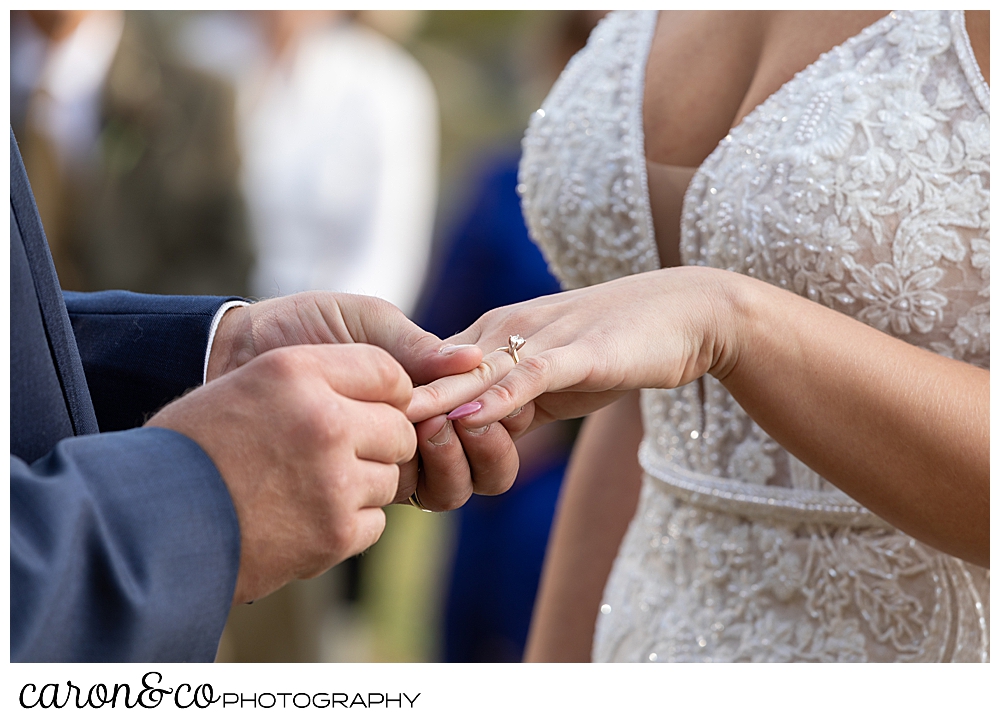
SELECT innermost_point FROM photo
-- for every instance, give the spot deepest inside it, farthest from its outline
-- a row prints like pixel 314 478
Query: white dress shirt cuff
pixel 215 326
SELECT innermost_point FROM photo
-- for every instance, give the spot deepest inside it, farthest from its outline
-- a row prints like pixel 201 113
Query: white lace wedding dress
pixel 863 184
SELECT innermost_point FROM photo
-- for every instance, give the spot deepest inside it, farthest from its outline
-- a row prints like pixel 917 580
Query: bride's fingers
pixel 550 371
pixel 447 393
pixel 520 421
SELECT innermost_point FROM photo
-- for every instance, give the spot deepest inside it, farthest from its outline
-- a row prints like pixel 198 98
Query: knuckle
pixel 376 309
pixel 386 491
pixel 433 394
pixel 383 312
pixel 368 304
pixel 338 484
pixel 415 338
pixel 513 390
pixel 535 366
pixel 495 472
pixel 520 318
pixel 487 371
pixel 390 485
pixel 604 355
pixel 280 364
pixel 387 370
pixel 503 393
pixel 492 318
pixel 395 379
pixel 323 426
pixel 398 438
pixel 408 443
pixel 342 538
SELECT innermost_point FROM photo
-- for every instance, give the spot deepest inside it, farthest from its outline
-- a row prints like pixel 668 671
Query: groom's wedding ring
pixel 514 342
pixel 415 501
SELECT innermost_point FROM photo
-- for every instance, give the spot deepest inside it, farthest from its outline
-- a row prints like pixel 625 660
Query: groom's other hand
pixel 456 462
pixel 322 317
pixel 307 439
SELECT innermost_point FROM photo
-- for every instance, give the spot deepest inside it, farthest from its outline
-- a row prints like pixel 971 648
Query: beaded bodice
pixel 862 184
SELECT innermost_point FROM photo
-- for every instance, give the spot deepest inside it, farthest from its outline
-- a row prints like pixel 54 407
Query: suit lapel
pixel 59 332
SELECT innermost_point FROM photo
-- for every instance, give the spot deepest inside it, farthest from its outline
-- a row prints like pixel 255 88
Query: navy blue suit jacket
pixel 124 543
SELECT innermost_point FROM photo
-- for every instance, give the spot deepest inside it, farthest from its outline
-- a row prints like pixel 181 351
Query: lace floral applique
pixel 590 219
pixel 704 586
pixel 862 184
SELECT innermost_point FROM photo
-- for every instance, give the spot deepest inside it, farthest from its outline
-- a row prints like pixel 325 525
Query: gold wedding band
pixel 514 342
pixel 415 501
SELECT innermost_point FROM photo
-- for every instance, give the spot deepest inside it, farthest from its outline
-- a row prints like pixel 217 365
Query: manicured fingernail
pixel 478 431
pixel 465 410
pixel 454 348
pixel 515 412
pixel 443 436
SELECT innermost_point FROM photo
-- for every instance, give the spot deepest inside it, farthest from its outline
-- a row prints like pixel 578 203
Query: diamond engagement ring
pixel 514 342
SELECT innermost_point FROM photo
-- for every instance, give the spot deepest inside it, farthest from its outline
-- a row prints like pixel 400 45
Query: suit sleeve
pixel 123 547
pixel 139 351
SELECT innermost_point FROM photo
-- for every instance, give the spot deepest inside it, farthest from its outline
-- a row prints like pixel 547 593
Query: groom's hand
pixel 453 462
pixel 456 462
pixel 308 440
pixel 318 317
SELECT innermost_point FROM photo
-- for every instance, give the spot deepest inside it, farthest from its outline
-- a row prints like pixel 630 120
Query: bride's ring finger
pixel 514 343
pixel 446 395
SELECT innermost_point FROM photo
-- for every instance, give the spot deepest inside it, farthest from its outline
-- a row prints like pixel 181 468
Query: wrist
pixel 735 302
pixel 758 322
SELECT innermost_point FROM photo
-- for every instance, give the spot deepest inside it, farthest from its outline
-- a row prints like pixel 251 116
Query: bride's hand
pixel 583 348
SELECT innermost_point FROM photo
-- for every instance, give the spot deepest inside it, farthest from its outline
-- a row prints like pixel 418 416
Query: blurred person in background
pixel 133 155
pixel 340 148
pixel 489 261
pixel 338 133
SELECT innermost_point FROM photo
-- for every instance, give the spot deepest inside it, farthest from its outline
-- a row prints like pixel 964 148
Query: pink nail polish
pixel 465 410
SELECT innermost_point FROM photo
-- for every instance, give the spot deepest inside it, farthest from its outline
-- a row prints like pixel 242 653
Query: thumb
pixel 425 357
pixel 422 355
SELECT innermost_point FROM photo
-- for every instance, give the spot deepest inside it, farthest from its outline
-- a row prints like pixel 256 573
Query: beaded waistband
pixel 752 501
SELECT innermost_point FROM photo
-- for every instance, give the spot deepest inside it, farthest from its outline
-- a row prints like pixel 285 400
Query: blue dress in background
pixel 486 261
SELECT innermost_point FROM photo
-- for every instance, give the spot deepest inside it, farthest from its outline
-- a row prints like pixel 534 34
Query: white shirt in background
pixel 339 140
